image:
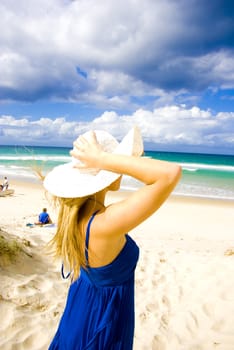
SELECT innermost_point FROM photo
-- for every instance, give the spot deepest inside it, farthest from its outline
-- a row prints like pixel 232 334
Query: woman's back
pixel 99 313
pixel 102 316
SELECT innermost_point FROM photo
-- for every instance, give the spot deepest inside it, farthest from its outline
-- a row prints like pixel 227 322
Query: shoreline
pixel 122 192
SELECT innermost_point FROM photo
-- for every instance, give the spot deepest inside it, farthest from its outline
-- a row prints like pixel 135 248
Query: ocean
pixel 203 175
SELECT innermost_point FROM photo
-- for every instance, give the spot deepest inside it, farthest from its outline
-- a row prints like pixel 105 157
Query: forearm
pixel 143 169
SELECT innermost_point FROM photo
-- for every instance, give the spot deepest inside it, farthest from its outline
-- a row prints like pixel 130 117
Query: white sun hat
pixel 66 181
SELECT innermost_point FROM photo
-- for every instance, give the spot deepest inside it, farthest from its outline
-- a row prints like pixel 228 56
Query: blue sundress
pixel 99 313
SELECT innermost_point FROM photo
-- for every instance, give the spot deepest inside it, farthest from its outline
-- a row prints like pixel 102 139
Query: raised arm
pixel 159 177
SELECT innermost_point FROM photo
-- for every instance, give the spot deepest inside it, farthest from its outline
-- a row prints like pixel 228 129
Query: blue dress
pixel 99 313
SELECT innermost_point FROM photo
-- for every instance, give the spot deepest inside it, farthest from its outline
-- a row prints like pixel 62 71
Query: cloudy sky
pixel 165 65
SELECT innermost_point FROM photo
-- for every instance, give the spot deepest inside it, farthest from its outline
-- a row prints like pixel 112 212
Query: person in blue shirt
pixel 43 218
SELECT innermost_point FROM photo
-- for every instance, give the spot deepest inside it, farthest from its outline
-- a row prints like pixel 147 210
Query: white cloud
pixel 127 48
pixel 8 120
pixel 170 127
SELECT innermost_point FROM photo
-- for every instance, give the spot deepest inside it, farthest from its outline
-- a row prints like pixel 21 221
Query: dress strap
pixel 87 237
pixel 62 273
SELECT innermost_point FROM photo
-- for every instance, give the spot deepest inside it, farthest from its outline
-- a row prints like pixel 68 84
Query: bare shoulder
pixel 103 244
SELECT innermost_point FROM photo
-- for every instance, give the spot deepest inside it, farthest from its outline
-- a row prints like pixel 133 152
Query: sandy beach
pixel 184 279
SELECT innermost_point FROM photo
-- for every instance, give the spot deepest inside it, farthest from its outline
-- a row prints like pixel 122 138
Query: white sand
pixel 184 279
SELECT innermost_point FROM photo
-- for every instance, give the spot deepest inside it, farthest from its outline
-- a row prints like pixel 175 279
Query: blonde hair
pixel 68 243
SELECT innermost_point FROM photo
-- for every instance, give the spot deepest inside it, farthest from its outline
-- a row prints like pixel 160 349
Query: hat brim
pixel 66 181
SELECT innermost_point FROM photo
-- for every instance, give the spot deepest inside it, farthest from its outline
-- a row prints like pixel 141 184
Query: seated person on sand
pixel 43 218
pixel 5 184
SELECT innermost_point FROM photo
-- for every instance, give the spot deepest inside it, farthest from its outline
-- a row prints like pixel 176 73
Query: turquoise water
pixel 204 175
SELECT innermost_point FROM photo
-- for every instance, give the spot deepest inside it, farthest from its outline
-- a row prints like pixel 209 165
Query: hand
pixel 87 150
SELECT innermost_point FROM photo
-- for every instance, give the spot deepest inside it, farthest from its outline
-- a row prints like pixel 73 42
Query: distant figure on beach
pixel 43 218
pixel 5 184
pixel 92 239
pixel 1 188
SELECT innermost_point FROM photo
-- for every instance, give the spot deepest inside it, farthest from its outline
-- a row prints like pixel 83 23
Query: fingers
pixel 80 147
pixel 72 153
pixel 80 142
pixel 91 138
pixel 94 137
pixel 86 149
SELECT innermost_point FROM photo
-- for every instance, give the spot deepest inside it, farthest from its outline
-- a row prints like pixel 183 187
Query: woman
pixel 92 238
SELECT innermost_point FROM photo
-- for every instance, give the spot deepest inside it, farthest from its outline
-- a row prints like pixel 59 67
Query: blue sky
pixel 165 65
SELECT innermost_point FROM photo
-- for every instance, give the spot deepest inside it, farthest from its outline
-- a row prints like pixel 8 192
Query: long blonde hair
pixel 68 243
